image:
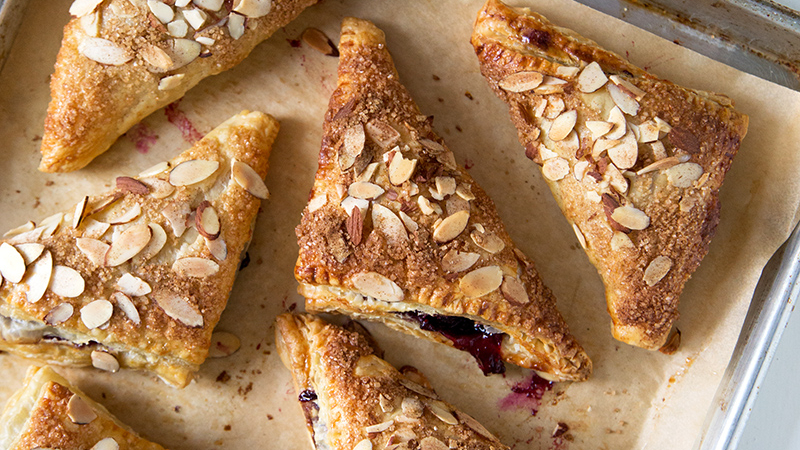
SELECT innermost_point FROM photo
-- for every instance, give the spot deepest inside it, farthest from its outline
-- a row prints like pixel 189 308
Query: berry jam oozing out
pixel 466 335
pixel 307 396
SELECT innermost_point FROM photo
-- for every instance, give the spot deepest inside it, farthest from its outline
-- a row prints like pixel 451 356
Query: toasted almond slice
pixel 616 117
pixel 59 314
pixel 567 71
pixel 352 146
pixel 598 128
pixel 196 17
pixel 412 408
pixel 218 248
pixel 663 126
pixel 96 313
pixel 51 224
pixel 157 57
pixel 93 249
pixel 378 286
pixel 192 171
pixel 12 264
pixel 657 270
pixel 475 425
pixel 132 185
pixel 382 133
pixel 465 191
pixel 125 304
pixel 236 25
pixel 451 227
pixel 579 169
pixel 252 8
pixel 104 51
pixel 630 217
pixel 205 40
pixel 648 132
pixel 211 5
pixel 30 251
pixel 38 277
pixel 350 202
pixel 555 106
pixel 481 281
pixel 442 411
pixel 223 344
pixel 445 186
pixel 432 443
pixel 176 213
pixel 128 244
pixel 425 205
pixel 626 103
pixel 487 241
pixel 178 28
pixel 408 222
pixel 155 169
pixel 155 245
pixel 659 151
pixel 207 220
pixel 93 228
pixel 106 443
pixel 127 216
pixel 661 164
pixel 184 51
pixel 179 308
pixel 401 169
pixel 66 282
pixel 195 267
pixel 79 411
pixel 379 427
pixel 579 235
pixel 514 291
pixel 365 190
pixel 591 78
pixel 364 444
pixel 90 24
pixel 162 11
pixel 79 213
pixel 366 175
pixel 563 125
pixel 134 286
pixel 385 220
pixel 521 81
pixel 625 154
pixel 246 177
pixel 684 175
pixel 455 261
pixel 627 87
pixel 601 145
pixel 105 361
pixel 317 202
pixel 555 169
pixel 27 226
pixel 621 240
pixel 80 8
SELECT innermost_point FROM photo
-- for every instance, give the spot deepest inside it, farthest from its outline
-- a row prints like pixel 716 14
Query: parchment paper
pixel 635 399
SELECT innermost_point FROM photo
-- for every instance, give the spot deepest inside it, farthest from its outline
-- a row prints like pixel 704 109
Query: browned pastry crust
pixel 404 251
pixel 172 334
pixel 349 395
pixel 683 142
pixel 93 103
pixel 39 416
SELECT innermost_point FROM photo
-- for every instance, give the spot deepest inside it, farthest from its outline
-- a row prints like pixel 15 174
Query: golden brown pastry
pixel 49 413
pixel 396 232
pixel 138 277
pixel 120 60
pixel 352 399
pixel 635 162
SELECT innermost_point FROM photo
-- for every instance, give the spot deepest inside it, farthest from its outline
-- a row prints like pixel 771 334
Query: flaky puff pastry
pixel 352 399
pixel 49 413
pixel 634 162
pixel 120 60
pixel 138 277
pixel 396 232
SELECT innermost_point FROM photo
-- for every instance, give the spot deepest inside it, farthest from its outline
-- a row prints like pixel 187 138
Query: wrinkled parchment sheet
pixel 636 399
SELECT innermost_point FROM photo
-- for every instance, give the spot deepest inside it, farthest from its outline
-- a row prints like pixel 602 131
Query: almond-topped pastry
pixel 396 231
pixel 138 277
pixel 354 400
pixel 49 413
pixel 634 162
pixel 120 60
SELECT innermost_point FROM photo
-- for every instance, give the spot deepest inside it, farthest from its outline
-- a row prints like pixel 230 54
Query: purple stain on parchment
pixel 178 118
pixel 526 394
pixel 142 137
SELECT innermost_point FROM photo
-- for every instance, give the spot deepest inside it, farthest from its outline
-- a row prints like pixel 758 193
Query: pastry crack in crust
pixel 634 162
pixel 138 277
pixel 395 231
pixel 351 398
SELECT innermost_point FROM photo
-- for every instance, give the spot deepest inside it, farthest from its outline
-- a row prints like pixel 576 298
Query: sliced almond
pixel 379 427
pixel 157 57
pixel 378 286
pixel 385 220
pixel 628 87
pixel 317 202
pixel 30 251
pixel 91 24
pixel 66 282
pixel 128 244
pixel 51 224
pixel 125 304
pixel 176 213
pixel 475 425
pixel 425 205
pixel 598 128
pixel 27 226
pixel 487 241
pixel 350 202
pixel 236 25
pixel 96 313
pixel 192 171
pixel 184 51
pixel 555 169
pixel 626 103
pixel 218 248
pixel 579 235
pixel 579 169
pixel 684 175
pixel 514 291
pixel 661 164
pixel 157 241
pixel 451 227
pixel 80 8
pixel 59 314
pixel 196 17
pixel 663 126
pixel 521 81
pixel 569 145
pixel 591 78
pixel 179 308
pixel 621 240
pixel 412 408
pixel 382 133
pixel 481 281
pixel 602 145
pixel 246 177
pixel 657 270
pixel 616 117
pixel 104 51
pixel 555 106
pixel 223 344
pixel 352 146
pixel 625 154
pixel 205 40
pixel 550 85
pixel 195 267
pixel 252 8
pixel 105 361
pixel 159 188
pixel 127 216
pixel 178 28
pixel 432 443
pixel 445 186
pixel 659 151
pixel 545 153
pixel 364 444
pixel 630 217
pixel 365 190
pixel 408 222
pixel 401 169
pixel 106 443
pixel 465 191
pixel 616 179
pixel 455 261
pixel 38 277
pixel 443 412
pixel 155 169
pixel 207 220
pixel 79 411
pixel 79 213
pixel 105 202
pixel 162 11
pixel 366 175
pixel 134 286
pixel 12 264
pixel 93 249
pixel 648 132
pixel 567 71
pixel 93 228
pixel 563 125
